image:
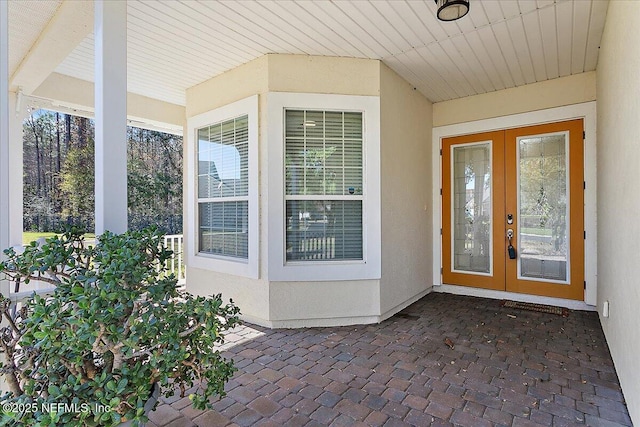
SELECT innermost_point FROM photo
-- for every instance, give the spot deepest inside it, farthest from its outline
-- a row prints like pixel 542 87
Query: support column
pixel 4 145
pixel 111 115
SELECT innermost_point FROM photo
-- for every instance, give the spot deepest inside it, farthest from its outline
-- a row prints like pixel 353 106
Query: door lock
pixel 510 248
pixel 510 219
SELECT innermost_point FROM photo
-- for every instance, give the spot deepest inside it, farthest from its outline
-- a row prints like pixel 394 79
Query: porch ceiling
pixel 173 45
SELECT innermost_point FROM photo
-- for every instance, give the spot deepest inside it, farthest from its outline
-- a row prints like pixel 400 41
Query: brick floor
pixel 506 367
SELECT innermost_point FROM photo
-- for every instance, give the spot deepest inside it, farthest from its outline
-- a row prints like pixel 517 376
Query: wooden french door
pixel 513 210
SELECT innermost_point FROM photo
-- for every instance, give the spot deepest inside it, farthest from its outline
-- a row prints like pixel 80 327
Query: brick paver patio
pixel 507 367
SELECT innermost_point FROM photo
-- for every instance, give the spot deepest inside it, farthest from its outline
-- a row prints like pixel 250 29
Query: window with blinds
pixel 323 185
pixel 223 184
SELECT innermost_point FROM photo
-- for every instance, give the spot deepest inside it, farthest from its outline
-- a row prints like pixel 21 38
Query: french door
pixel 512 210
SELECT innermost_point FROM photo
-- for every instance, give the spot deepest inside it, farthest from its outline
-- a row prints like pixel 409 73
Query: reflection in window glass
pixel 223 186
pixel 543 239
pixel 323 185
pixel 472 208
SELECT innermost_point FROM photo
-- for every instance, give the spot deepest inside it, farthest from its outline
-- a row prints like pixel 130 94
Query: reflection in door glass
pixel 472 208
pixel 543 238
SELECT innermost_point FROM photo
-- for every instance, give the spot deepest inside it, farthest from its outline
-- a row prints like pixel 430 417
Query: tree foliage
pixel 59 173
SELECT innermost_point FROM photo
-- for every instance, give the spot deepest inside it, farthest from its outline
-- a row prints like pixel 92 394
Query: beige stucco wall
pixel 241 82
pixel 76 93
pixel 537 96
pixel 619 192
pixel 252 296
pixel 286 304
pixel 406 186
pixel 295 304
pixel 323 74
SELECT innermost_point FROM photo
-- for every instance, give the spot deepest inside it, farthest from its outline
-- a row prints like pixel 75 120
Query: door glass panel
pixel 471 208
pixel 543 210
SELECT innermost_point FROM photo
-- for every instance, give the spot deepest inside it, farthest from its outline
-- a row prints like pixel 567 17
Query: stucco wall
pixel 295 304
pixel 285 304
pixel 406 187
pixel 241 82
pixel 323 74
pixel 537 96
pixel 618 84
pixel 252 296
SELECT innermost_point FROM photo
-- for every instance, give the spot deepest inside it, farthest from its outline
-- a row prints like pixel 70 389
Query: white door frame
pixel 586 111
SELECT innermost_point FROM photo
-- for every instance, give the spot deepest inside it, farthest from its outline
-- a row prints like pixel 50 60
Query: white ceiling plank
pixel 434 81
pixel 596 27
pixel 459 70
pixel 153 47
pixel 466 24
pixel 344 26
pixel 237 23
pixel 399 16
pixel 527 6
pixel 426 12
pixel 294 29
pixel 390 43
pixel 518 36
pixel 510 9
pixel 302 21
pixel 328 28
pixel 488 40
pixel 252 14
pixel 499 44
pixel 493 10
pixel 547 19
pixel 564 23
pixel 545 3
pixel 208 27
pixel 483 57
pixel 69 25
pixel 37 13
pixel 477 15
pixel 383 16
pixel 480 74
pixel 506 44
pixel 163 44
pixel 403 68
pixel 417 62
pixel 446 69
pixel 534 42
pixel 581 15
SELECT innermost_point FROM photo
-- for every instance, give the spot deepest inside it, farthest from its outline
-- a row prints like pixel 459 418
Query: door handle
pixel 510 249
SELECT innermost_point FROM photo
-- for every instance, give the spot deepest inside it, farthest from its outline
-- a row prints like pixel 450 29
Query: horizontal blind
pixel 223 188
pixel 324 185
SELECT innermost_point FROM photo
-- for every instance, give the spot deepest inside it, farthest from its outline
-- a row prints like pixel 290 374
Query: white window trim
pixel 586 111
pixel 240 267
pixel 370 266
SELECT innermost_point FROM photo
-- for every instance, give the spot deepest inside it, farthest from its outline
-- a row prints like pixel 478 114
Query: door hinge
pixel 441 231
pixel 441 191
pixel 585 235
pixel 585 284
pixel 584 135
pixel 441 151
pixel 584 185
pixel 441 270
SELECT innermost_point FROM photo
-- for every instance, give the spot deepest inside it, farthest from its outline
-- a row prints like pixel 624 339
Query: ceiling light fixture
pixel 450 10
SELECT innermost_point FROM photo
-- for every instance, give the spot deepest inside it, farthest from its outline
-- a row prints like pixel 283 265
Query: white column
pixel 11 117
pixel 111 115
pixel 5 224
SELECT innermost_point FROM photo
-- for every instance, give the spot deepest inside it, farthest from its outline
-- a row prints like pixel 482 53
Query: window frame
pixel 300 270
pixel 226 264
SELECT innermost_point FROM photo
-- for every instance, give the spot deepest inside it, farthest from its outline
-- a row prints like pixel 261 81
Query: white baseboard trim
pixel 334 321
pixel 487 293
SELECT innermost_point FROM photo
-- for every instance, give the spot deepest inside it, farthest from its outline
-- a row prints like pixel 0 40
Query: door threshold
pixel 503 295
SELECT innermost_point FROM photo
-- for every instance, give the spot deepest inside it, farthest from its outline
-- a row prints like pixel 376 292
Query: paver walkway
pixel 507 367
